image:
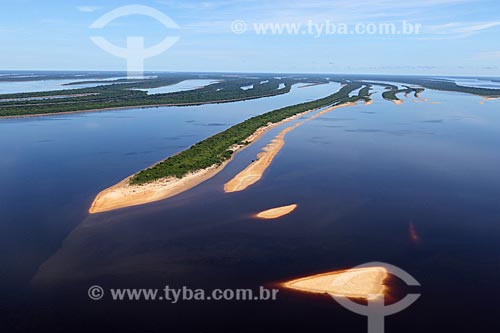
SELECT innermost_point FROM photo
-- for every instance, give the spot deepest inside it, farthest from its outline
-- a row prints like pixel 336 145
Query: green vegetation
pixel 123 93
pixel 118 92
pixel 364 93
pixel 20 76
pixel 217 149
pixel 437 83
pixel 418 91
pixel 391 95
pixel 452 86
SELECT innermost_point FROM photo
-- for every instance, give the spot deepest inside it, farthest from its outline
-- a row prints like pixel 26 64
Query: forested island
pixel 123 93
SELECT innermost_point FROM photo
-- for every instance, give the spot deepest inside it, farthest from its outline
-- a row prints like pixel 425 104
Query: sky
pixel 455 37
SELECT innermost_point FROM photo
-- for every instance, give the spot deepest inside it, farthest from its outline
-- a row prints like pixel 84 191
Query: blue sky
pixel 458 37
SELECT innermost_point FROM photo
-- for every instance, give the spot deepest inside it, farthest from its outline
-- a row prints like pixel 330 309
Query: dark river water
pixel 365 179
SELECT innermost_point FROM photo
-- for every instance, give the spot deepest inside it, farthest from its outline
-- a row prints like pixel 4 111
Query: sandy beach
pixel 253 172
pixel 277 212
pixel 365 283
pixel 325 111
pixel 124 195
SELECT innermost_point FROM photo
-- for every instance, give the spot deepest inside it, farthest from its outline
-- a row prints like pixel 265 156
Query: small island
pixel 363 283
pixel 277 212
pixel 391 95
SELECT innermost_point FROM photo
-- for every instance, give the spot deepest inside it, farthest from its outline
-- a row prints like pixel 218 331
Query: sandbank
pixel 277 212
pixel 253 172
pixel 366 283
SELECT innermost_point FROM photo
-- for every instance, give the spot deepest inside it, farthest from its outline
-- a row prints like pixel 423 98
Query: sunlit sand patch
pixel 486 99
pixel 253 172
pixel 331 108
pixel 397 101
pixel 365 283
pixel 274 213
pixel 124 195
pixel 369 102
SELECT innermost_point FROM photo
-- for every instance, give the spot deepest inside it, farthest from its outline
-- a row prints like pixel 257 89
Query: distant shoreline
pixel 137 107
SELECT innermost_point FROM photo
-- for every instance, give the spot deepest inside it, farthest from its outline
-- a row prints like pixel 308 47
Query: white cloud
pixel 222 12
pixel 458 29
pixel 470 29
pixel 431 14
pixel 87 9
